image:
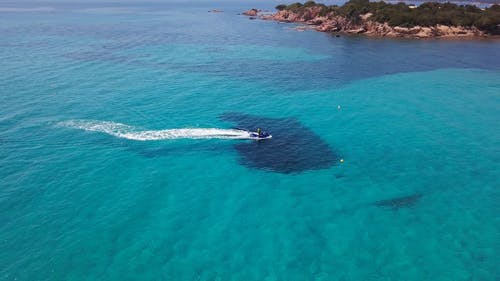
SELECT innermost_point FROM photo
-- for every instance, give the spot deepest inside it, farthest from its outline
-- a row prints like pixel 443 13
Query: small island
pixel 428 20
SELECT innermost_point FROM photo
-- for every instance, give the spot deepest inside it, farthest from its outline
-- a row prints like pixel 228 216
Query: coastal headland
pixel 380 19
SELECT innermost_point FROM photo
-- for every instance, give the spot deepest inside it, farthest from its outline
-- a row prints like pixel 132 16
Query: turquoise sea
pixel 119 159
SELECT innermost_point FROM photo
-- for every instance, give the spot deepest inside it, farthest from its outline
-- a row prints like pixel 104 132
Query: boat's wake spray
pixel 129 132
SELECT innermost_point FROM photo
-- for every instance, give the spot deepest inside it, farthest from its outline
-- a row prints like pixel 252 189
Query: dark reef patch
pixel 399 202
pixel 294 148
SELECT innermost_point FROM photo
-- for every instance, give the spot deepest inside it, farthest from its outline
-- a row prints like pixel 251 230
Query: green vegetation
pixel 281 7
pixel 427 14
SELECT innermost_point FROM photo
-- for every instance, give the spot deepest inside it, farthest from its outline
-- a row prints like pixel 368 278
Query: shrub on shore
pixel 400 14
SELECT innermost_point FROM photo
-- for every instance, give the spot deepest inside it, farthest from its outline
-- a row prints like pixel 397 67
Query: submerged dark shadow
pixel 399 202
pixel 293 149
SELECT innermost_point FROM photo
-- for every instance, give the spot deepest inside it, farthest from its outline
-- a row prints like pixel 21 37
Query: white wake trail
pixel 129 132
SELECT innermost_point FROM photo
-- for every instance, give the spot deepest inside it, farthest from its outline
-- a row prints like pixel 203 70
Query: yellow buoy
pixel 341 160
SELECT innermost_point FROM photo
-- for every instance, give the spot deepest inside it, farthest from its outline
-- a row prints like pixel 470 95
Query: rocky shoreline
pixel 328 23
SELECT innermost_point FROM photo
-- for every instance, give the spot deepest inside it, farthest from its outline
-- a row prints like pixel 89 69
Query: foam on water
pixel 129 132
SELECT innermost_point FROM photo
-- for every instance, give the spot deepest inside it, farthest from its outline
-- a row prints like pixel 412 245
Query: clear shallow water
pixel 416 197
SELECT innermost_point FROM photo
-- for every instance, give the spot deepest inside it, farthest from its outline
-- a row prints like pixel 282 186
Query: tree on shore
pixel 400 14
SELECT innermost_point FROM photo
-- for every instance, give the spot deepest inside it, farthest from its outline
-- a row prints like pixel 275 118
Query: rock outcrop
pixel 332 23
pixel 251 12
